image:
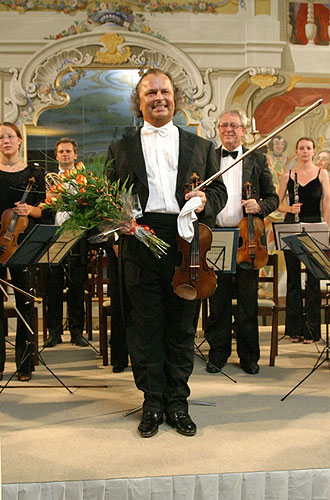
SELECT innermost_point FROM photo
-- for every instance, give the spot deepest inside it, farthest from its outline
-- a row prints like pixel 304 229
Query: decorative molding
pixel 113 52
pixel 263 77
pixel 94 7
pixel 37 87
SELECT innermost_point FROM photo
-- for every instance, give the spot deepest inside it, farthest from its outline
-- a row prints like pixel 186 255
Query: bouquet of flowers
pixel 91 201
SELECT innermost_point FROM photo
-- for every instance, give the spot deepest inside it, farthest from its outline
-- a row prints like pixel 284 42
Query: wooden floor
pixel 50 434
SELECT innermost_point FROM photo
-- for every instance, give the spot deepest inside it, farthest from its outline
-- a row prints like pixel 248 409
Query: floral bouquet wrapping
pixel 91 201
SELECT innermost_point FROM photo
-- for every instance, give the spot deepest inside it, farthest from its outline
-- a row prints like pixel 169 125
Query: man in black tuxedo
pixel 232 125
pixel 159 160
pixel 74 268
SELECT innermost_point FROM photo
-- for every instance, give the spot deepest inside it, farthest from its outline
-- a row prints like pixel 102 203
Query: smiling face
pixel 65 155
pixel 231 131
pixel 156 96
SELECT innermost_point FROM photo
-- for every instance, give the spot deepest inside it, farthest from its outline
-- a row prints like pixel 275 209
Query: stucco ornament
pixel 263 77
pixel 113 52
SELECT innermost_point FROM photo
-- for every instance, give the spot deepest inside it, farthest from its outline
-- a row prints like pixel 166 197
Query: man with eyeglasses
pixel 232 126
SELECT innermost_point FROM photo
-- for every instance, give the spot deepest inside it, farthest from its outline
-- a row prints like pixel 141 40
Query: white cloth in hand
pixel 186 218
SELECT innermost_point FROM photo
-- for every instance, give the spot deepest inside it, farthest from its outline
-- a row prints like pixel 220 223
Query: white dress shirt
pixel 60 217
pixel 160 146
pixel 231 215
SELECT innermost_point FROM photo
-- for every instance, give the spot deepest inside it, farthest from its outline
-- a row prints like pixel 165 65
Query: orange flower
pixel 80 166
pixel 59 188
pixel 82 190
pixel 50 200
pixel 81 179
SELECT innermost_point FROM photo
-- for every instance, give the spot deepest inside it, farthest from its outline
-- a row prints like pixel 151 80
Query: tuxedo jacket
pixel 126 161
pixel 255 170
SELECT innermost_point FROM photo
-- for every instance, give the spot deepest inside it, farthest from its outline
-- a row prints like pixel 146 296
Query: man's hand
pixel 251 206
pixel 202 196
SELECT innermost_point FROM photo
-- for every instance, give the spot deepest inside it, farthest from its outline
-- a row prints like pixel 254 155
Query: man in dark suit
pixel 232 125
pixel 159 160
pixel 74 268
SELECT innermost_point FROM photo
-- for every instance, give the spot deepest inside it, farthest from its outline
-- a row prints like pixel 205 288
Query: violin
pixel 12 225
pixel 251 254
pixel 194 279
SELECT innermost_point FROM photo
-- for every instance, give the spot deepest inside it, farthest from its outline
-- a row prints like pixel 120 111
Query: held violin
pixel 194 279
pixel 251 254
pixel 12 225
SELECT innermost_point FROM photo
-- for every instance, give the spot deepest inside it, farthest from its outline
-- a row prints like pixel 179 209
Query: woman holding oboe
pixel 308 188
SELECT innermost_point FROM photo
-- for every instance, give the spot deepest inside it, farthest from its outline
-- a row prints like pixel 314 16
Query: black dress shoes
pixel 118 368
pixel 181 420
pixel 214 367
pixel 79 340
pixel 53 340
pixel 252 368
pixel 149 424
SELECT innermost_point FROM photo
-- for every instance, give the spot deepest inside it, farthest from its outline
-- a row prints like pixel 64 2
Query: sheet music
pixel 314 250
pixel 60 248
pixel 223 253
pixel 318 231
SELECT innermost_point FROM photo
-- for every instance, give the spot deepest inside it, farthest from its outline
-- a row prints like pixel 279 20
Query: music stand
pixel 319 231
pixel 310 253
pixel 222 256
pixel 223 253
pixel 43 245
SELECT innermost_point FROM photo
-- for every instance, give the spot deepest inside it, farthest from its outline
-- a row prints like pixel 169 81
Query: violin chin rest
pixel 186 291
pixel 245 265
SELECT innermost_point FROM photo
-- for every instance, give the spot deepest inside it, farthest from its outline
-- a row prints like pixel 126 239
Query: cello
pixel 251 254
pixel 194 279
pixel 12 225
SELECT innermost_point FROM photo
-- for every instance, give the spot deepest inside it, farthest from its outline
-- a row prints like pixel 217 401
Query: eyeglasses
pixel 234 126
pixel 9 137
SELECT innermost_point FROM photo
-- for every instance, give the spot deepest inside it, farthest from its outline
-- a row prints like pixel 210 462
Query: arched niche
pixel 40 85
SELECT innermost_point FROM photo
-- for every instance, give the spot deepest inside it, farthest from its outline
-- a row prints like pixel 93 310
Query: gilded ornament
pixel 264 81
pixel 112 55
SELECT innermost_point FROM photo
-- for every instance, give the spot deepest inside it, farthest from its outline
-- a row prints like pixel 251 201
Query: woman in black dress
pixel 14 179
pixel 313 206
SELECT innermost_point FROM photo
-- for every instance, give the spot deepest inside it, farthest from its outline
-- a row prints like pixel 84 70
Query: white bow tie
pixel 150 129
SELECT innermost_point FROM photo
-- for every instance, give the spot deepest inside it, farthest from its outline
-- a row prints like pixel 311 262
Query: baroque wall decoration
pixel 45 81
pixel 70 6
pixel 112 53
pixel 310 22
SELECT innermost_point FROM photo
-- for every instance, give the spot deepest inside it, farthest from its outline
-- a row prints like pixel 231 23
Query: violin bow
pixel 258 145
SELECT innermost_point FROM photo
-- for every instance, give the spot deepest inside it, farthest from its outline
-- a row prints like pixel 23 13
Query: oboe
pixel 296 195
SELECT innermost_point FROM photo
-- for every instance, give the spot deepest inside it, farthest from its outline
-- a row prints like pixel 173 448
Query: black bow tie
pixel 231 153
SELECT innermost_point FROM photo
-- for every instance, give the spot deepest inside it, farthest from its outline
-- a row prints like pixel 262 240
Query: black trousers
pixel 219 323
pixel 118 343
pixel 295 324
pixel 75 272
pixel 160 325
pixel 24 345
